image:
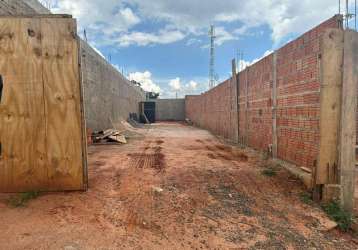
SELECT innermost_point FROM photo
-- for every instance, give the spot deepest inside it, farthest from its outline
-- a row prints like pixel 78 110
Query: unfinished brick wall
pixel 215 110
pixel 282 89
pixel 255 112
pixel 298 96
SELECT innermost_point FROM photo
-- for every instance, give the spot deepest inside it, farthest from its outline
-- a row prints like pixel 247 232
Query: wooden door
pixel 41 116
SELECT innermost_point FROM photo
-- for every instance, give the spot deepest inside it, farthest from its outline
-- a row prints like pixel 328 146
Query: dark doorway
pixel 149 111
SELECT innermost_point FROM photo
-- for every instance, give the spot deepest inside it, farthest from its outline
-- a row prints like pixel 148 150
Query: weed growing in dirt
pixel 306 198
pixel 22 199
pixel 337 213
pixel 270 172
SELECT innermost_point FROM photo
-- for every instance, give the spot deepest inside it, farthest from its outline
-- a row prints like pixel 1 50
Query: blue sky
pixel 164 43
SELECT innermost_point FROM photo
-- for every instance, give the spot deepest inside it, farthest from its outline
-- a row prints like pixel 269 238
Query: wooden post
pixel 330 103
pixel 274 106
pixel 347 133
pixel 247 108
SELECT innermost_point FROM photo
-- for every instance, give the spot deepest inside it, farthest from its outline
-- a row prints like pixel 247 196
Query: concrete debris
pixel 328 225
pixel 188 121
pixel 157 189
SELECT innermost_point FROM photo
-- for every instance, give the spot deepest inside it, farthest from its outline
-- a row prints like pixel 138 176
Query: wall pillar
pixel 330 102
pixel 335 171
pixel 235 102
pixel 274 106
pixel 347 133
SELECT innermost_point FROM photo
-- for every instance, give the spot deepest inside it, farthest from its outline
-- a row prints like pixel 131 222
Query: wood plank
pixel 330 102
pixel 118 138
pixel 347 152
pixel 22 133
pixel 83 112
pixel 64 135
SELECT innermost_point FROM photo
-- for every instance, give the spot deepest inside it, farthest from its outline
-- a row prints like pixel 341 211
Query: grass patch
pixel 270 172
pixel 20 200
pixel 306 198
pixel 337 213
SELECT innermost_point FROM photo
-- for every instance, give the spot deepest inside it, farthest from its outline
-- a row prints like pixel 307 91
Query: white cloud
pixel 284 17
pixel 192 85
pixel 267 52
pixel 222 36
pixel 179 88
pixel 244 64
pixel 145 79
pixel 193 41
pixel 144 39
pixel 242 30
pixel 115 18
pixel 175 84
pixel 99 17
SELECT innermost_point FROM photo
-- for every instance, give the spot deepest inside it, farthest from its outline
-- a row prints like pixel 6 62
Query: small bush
pixel 22 199
pixel 306 198
pixel 337 213
pixel 270 172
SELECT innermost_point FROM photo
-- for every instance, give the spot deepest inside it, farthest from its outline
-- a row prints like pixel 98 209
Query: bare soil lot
pixel 174 187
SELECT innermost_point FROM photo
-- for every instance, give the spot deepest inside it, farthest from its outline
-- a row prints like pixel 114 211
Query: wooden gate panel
pixel 62 103
pixel 22 133
pixel 41 118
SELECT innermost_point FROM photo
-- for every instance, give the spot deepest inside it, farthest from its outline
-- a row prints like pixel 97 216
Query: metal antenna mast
pixel 347 15
pixel 212 57
pixel 355 14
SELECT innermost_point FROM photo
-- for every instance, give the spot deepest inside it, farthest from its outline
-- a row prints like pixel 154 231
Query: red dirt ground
pixel 174 187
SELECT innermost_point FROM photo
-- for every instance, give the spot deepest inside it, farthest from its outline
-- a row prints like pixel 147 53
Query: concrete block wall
pixel 278 101
pixel 108 96
pixel 26 7
pixel 170 110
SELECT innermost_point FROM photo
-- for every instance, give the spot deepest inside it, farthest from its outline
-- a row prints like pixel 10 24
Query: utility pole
pixel 212 57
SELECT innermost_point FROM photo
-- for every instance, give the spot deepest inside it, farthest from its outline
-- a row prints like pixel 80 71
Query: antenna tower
pixel 347 15
pixel 212 57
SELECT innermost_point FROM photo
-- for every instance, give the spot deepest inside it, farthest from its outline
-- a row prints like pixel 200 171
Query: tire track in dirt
pixel 150 158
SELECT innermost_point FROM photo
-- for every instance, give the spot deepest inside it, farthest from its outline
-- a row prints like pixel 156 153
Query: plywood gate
pixel 41 114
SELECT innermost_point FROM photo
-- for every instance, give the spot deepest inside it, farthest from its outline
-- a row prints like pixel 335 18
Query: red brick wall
pixel 215 110
pixel 298 99
pixel 255 104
